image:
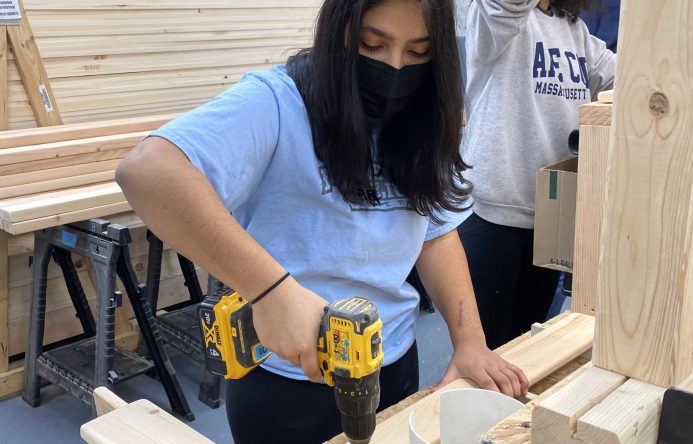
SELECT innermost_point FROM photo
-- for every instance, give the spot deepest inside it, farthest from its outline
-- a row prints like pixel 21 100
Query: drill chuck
pixel 357 401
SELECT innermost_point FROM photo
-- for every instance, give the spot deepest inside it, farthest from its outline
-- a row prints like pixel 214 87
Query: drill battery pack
pixel 232 348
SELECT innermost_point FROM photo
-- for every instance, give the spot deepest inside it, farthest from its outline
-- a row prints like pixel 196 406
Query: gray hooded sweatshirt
pixel 528 71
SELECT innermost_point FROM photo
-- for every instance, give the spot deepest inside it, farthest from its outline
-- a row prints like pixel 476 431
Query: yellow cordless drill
pixel 350 352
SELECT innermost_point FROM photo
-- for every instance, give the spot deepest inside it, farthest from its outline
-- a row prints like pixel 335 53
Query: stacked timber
pixel 110 59
pixel 56 175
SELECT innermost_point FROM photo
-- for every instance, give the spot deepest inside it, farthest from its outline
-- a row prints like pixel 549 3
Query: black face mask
pixel 386 90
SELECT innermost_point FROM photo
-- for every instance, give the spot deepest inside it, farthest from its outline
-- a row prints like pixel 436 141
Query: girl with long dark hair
pixel 341 167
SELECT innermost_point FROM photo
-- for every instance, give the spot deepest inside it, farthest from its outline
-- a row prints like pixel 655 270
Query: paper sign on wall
pixel 10 14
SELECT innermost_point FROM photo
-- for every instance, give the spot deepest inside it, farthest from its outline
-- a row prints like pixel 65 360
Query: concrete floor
pixel 58 418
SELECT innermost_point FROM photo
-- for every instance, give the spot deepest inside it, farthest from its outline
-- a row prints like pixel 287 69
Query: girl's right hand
pixel 287 322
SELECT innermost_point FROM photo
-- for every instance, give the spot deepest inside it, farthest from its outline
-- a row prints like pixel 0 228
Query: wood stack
pixel 55 175
pixel 109 59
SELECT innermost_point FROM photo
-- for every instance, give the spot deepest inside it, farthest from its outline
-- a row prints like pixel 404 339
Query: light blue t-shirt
pixel 254 144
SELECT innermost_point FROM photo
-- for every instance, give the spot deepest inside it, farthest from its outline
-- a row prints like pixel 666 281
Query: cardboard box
pixel 554 219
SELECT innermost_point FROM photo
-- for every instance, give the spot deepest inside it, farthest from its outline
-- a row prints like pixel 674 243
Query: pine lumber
pixel 69 216
pixel 629 415
pixel 58 162
pixel 554 420
pixel 589 212
pixel 687 384
pixel 57 202
pixel 52 174
pixel 11 381
pixel 57 296
pixel 106 401
pixel 645 283
pixel 140 422
pixel 166 4
pixel 57 184
pixel 606 96
pixel 119 64
pixel 33 72
pixel 4 303
pixel 562 342
pixel 538 356
pixel 598 114
pixel 4 49
pixel 88 45
pixel 54 150
pixel 62 133
pixel 517 428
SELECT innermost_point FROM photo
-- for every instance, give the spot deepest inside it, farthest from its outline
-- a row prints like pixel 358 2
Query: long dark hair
pixel 571 8
pixel 418 149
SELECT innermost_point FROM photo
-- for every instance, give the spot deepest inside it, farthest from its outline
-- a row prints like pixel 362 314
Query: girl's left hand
pixel 473 360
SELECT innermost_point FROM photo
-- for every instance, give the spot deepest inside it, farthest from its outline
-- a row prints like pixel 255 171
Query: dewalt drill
pixel 350 352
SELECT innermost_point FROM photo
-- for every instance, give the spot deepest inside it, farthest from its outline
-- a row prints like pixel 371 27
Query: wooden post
pixel 33 72
pixel 4 319
pixel 645 284
pixel 3 79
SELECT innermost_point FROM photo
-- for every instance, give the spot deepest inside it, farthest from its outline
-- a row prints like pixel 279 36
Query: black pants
pixel 511 293
pixel 267 408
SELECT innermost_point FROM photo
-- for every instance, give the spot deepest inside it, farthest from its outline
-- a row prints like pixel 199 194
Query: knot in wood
pixel 659 104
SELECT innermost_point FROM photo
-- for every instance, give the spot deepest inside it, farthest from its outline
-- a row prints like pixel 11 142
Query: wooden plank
pixel 165 4
pixel 517 428
pixel 645 290
pixel 554 420
pixel 52 174
pixel 55 150
pixel 85 46
pixel 630 415
pixel 67 217
pixel 545 353
pixel 57 202
pixel 139 422
pixel 687 384
pixel 11 382
pixel 538 356
pixel 62 133
pixel 589 211
pixel 58 162
pixel 33 72
pixel 57 296
pixel 559 375
pixel 598 114
pixel 106 401
pixel 606 96
pixel 118 64
pixel 4 303
pixel 3 78
pixel 57 184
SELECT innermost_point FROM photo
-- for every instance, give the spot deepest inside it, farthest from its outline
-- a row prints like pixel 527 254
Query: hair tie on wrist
pixel 272 287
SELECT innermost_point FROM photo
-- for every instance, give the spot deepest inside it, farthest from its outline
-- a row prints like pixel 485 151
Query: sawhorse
pixel 95 361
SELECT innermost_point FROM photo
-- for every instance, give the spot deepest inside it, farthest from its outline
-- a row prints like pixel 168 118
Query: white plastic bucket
pixel 466 414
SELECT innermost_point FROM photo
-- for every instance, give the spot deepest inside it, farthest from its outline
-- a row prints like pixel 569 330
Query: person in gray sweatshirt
pixel 530 64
